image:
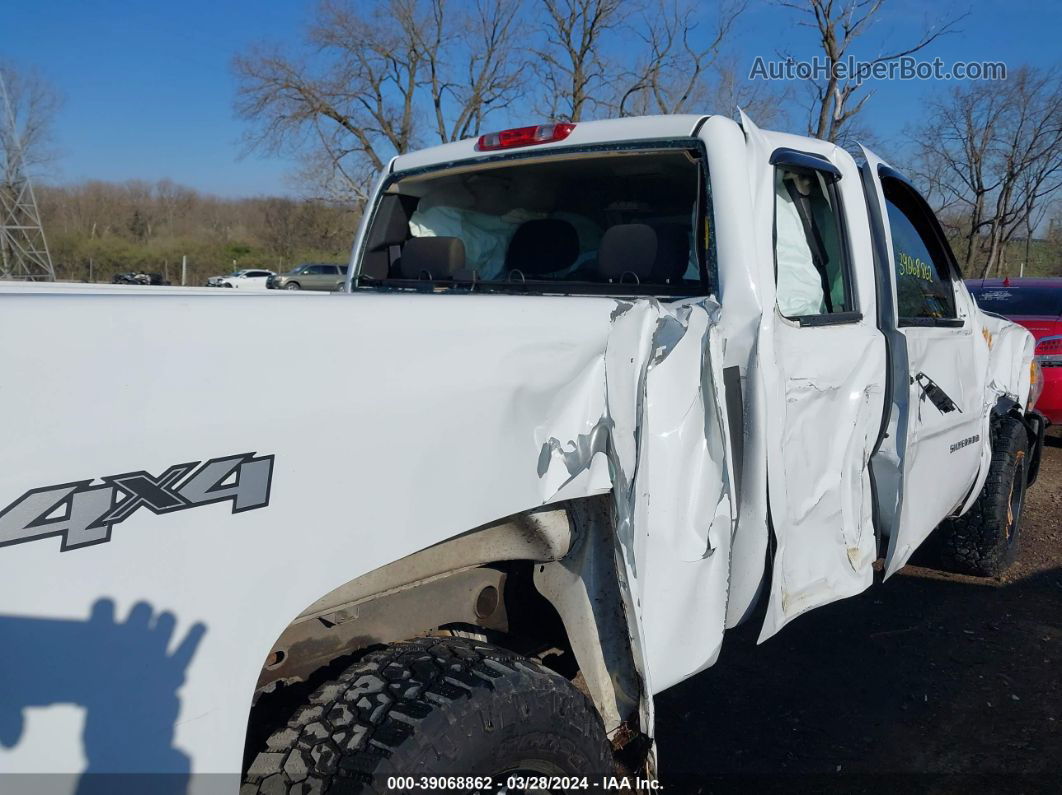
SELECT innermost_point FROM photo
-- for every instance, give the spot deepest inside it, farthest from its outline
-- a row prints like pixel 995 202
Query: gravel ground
pixel 931 682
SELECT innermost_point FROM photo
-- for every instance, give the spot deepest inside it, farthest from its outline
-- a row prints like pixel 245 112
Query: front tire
pixel 292 286
pixel 434 707
pixel 984 541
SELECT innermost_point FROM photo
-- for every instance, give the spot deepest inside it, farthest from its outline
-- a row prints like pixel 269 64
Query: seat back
pixel 432 258
pixel 542 246
pixel 627 250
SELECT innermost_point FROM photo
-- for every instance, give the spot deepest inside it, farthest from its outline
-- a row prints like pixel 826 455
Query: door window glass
pixel 923 280
pixel 811 270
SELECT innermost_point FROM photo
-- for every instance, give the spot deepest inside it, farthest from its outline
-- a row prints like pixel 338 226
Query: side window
pixel 812 273
pixel 316 270
pixel 923 277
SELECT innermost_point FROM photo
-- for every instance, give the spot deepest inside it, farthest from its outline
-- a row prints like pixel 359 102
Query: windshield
pixel 619 221
pixel 1043 301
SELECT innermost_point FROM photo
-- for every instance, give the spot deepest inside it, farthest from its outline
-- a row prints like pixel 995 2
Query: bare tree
pixel 280 229
pixel 839 24
pixel 955 161
pixel 993 156
pixel 678 61
pixel 728 88
pixel 1029 158
pixel 383 78
pixel 34 104
pixel 570 60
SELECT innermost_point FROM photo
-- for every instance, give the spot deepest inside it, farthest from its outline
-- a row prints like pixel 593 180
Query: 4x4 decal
pixel 83 512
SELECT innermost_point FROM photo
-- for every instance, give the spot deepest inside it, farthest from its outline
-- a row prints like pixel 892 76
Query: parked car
pixel 592 392
pixel 1037 305
pixel 248 277
pixel 310 276
pixel 138 277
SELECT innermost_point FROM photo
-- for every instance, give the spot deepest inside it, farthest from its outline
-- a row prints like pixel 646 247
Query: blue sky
pixel 148 91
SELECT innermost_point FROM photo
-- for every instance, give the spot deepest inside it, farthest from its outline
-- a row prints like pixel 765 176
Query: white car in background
pixel 249 277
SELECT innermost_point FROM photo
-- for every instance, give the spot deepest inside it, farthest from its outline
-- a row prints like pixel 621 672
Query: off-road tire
pixel 433 707
pixel 984 541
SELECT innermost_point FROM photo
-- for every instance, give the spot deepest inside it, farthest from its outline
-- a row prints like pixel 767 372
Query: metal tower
pixel 23 247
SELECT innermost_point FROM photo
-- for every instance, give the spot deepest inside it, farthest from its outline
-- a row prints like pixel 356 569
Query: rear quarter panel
pixel 443 412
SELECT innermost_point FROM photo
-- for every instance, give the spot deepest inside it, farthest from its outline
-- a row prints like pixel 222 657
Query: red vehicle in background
pixel 1037 305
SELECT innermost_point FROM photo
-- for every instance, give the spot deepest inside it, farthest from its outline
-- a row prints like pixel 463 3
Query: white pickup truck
pixel 593 393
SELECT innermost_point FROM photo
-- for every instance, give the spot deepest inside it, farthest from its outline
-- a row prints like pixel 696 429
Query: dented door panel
pixel 824 390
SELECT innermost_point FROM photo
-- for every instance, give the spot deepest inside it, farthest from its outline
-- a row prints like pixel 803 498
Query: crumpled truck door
pixel 823 370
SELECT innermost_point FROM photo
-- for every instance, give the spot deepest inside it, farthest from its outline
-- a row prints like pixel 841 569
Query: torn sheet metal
pixel 664 433
pixel 742 276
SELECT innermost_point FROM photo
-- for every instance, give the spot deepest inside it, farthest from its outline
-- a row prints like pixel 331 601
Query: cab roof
pixel 635 128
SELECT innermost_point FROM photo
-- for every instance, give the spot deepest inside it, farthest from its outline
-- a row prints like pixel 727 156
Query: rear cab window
pixel 629 220
pixel 1019 300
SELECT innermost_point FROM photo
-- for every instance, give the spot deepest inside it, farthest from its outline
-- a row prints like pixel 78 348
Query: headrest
pixel 627 248
pixel 431 257
pixel 542 246
pixel 672 253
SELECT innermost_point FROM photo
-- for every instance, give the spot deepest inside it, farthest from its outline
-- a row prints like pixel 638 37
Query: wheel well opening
pixel 508 612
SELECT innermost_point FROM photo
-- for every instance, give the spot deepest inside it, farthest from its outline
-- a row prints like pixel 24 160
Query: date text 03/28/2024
pixel 523 782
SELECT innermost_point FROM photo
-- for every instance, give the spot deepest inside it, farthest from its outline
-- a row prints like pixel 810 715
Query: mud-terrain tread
pixel 976 543
pixel 367 724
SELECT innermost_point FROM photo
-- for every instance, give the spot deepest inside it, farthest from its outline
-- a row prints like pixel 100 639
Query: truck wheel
pixel 984 540
pixel 433 707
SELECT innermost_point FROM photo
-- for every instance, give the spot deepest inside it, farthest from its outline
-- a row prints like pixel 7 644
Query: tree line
pixel 97 229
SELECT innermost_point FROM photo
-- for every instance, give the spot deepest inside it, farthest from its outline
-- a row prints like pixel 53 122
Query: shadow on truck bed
pixel 124 677
pixel 929 682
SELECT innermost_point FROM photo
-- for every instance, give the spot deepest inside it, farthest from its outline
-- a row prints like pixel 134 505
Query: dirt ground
pixel 930 682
